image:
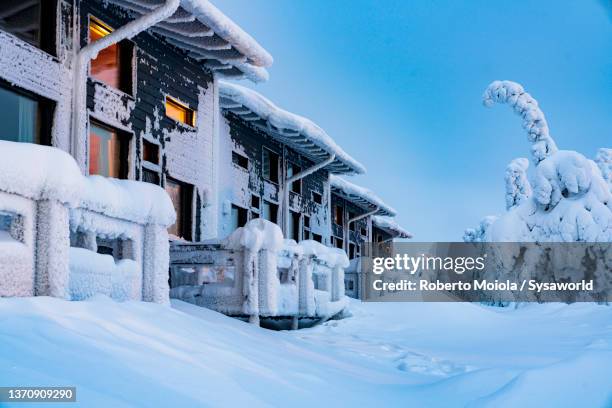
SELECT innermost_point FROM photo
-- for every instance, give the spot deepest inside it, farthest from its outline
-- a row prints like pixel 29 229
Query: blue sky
pixel 398 84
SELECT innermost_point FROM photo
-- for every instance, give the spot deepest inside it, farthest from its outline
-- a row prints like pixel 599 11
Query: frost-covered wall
pixel 238 185
pixel 186 154
pixel 566 198
pixel 69 236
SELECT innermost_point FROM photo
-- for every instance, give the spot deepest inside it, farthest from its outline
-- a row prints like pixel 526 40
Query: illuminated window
pixel 108 151
pixel 113 65
pixel 180 112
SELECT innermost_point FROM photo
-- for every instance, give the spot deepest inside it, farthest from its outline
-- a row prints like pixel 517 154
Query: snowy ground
pixel 142 354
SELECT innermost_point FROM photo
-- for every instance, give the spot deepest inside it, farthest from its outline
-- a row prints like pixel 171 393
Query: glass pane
pixel 180 113
pixel 105 67
pixel 19 117
pixel 104 151
pixel 22 19
pixel 174 191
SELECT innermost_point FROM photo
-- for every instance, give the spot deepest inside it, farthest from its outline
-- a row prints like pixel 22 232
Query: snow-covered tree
pixel 569 198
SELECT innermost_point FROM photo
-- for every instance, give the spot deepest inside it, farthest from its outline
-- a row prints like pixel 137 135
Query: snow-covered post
pixel 155 264
pixel 259 238
pixel 341 262
pixel 52 248
pixel 306 304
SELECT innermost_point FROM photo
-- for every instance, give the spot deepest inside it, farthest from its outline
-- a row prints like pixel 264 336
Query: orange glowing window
pixel 107 151
pixel 113 64
pixel 180 112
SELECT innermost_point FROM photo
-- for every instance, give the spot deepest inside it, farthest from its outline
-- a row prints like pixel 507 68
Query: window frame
pixel 278 165
pixel 312 197
pixel 187 194
pixel 47 28
pixel 45 113
pixel 237 158
pixel 125 141
pixel 170 100
pixel 125 56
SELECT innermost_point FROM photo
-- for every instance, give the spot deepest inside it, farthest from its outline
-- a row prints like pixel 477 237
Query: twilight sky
pixel 398 84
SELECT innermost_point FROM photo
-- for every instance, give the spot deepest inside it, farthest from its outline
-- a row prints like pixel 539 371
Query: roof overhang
pixel 390 226
pixel 301 134
pixel 360 196
pixel 207 35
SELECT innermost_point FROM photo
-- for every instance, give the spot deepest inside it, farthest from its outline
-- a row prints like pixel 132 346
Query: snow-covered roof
pixel 392 227
pixel 360 196
pixel 209 36
pixel 300 133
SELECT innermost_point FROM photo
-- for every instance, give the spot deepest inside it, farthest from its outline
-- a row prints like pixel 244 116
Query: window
pixel 271 162
pixel 182 199
pixel 254 201
pixel 352 251
pixel 317 198
pixel 364 232
pixel 338 242
pixel 117 248
pixel 338 215
pixel 294 225
pixel 11 227
pixel 150 152
pixel 292 170
pixel 317 237
pixel 240 161
pixel 149 176
pixel 306 221
pixel 349 284
pixel 379 238
pixel 108 151
pixel 113 65
pixel 180 112
pixel 351 215
pixel 270 212
pixel 239 217
pixel 24 117
pixel 32 21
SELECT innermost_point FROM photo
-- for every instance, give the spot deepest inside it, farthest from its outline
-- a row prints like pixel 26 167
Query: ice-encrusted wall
pixel 237 185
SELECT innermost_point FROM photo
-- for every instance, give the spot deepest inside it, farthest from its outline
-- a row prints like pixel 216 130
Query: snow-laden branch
pixel 525 105
pixel 518 188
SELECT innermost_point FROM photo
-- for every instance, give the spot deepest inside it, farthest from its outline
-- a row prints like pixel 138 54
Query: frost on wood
pixel 524 105
pixel 568 198
pixel 53 221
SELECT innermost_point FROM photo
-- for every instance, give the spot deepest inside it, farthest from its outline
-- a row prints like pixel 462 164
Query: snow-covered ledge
pixel 70 236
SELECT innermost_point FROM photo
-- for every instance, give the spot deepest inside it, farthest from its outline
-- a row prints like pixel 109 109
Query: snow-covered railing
pixel 69 236
pixel 270 277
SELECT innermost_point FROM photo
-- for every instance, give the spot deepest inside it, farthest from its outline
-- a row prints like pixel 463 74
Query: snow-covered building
pixel 128 88
pixel 275 165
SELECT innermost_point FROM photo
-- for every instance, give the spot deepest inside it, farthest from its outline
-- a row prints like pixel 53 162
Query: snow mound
pixel 332 257
pixel 256 235
pixel 39 173
pixel 144 203
pixel 568 198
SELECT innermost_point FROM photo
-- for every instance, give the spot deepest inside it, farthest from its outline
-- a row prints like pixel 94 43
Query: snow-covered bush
pixel 567 199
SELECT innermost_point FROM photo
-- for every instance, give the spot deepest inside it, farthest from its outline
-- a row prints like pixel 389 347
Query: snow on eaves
pixel 360 196
pixel 298 132
pixel 391 226
pixel 207 13
pixel 209 36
